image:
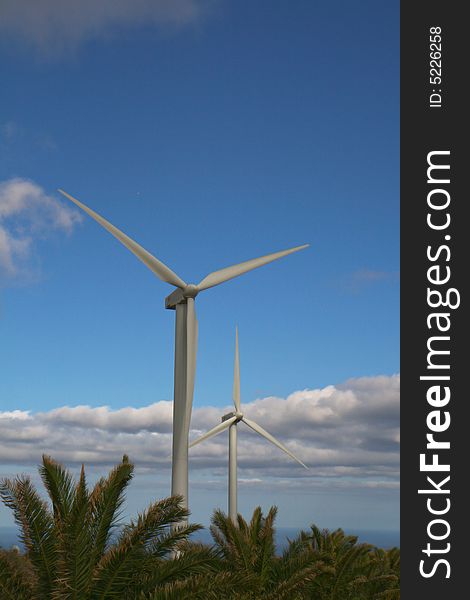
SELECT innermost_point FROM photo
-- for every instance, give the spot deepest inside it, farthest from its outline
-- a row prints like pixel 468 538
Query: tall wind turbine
pixel 230 421
pixel 186 332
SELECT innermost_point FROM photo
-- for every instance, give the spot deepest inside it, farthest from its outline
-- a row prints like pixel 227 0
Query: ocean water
pixel 382 539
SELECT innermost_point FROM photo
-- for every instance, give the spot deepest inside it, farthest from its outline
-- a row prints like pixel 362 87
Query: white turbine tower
pixel 230 421
pixel 186 331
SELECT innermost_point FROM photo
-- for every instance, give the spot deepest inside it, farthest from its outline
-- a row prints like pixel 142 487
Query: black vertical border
pixel 425 129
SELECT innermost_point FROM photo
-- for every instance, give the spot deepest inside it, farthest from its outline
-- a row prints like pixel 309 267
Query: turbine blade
pixel 236 375
pixel 214 431
pixel 234 271
pixel 271 439
pixel 191 352
pixel 155 265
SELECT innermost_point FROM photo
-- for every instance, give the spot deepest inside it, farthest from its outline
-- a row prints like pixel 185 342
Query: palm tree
pixel 356 571
pixel 383 574
pixel 16 577
pixel 74 550
pixel 248 550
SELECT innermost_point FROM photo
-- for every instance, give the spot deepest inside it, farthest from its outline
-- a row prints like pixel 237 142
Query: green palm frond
pixel 165 543
pixel 249 550
pixel 356 571
pixel 392 594
pixel 255 524
pixel 75 562
pixel 232 540
pixel 191 560
pixel 36 523
pixel 224 585
pixel 297 546
pixel 16 582
pixel 106 501
pixel 351 560
pixel 120 564
pixel 59 484
pixel 267 544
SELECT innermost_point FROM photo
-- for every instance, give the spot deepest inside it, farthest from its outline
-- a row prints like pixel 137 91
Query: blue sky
pixel 212 134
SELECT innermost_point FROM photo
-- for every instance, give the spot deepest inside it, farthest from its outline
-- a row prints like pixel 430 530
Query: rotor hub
pixel 190 291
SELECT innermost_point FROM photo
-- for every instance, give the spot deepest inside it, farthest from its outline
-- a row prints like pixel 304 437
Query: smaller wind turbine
pixel 230 422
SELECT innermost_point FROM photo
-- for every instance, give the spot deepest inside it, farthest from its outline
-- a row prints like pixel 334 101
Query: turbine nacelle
pixel 238 415
pixel 181 295
pixel 176 297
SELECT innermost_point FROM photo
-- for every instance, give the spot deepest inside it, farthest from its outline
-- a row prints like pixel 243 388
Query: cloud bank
pixel 27 213
pixel 349 430
pixel 57 26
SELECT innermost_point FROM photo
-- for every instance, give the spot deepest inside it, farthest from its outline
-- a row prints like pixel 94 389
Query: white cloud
pixel 55 26
pixel 348 431
pixel 359 280
pixel 154 418
pixel 27 213
pixel 21 415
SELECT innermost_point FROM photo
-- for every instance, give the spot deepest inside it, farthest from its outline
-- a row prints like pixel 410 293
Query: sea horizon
pixel 382 538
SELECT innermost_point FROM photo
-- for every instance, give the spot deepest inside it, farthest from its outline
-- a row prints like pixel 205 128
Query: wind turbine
pixel 186 333
pixel 230 421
